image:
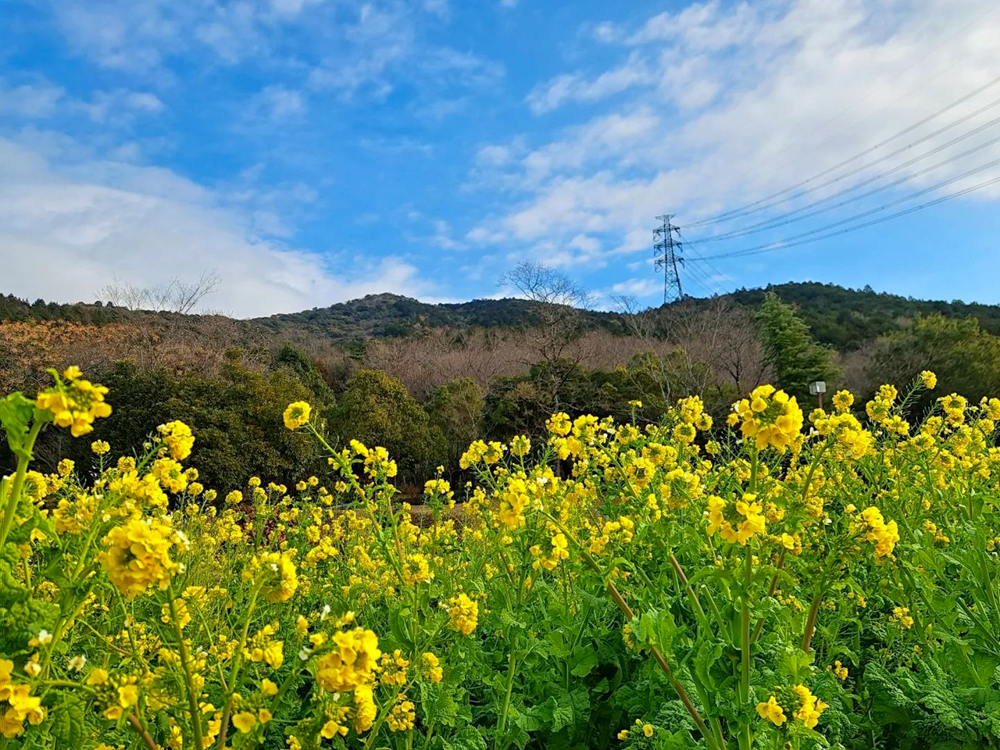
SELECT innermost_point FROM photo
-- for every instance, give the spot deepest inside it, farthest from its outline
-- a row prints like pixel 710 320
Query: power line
pixel 897 152
pixel 923 82
pixel 712 267
pixel 776 221
pixel 758 204
pixel 712 287
pixel 884 206
pixel 702 279
pixel 788 243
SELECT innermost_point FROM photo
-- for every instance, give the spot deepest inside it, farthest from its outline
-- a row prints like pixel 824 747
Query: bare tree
pixel 123 294
pixel 175 296
pixel 642 324
pixel 559 305
pixel 723 336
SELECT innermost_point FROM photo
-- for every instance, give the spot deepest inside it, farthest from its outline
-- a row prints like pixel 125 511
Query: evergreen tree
pixel 378 410
pixel 456 408
pixel 796 359
pixel 965 357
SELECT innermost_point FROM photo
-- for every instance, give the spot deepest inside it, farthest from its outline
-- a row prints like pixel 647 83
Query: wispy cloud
pixel 31 100
pixel 276 102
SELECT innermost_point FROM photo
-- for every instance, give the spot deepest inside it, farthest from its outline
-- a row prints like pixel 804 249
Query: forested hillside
pixel 842 318
pixel 847 318
pixel 427 379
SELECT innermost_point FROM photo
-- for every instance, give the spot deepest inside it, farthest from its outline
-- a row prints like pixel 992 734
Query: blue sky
pixel 312 151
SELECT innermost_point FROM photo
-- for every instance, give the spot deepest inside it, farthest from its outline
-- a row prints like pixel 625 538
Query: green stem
pixel 61 626
pixel 770 592
pixel 15 490
pixel 665 667
pixel 745 630
pixel 695 602
pixel 699 688
pixel 505 708
pixel 657 655
pixel 430 733
pixel 811 619
pixel 146 738
pixel 237 663
pixel 186 666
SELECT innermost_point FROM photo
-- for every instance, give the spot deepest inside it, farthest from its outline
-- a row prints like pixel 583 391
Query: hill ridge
pixel 842 317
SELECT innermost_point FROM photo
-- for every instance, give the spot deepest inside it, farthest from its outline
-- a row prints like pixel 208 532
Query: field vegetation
pixel 778 580
pixel 566 531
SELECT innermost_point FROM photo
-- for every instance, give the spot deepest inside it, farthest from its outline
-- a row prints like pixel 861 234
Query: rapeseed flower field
pixel 779 581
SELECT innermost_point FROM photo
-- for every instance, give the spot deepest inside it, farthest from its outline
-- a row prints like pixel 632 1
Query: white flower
pixel 305 653
pixel 324 613
pixel 77 663
pixel 44 637
pixel 33 668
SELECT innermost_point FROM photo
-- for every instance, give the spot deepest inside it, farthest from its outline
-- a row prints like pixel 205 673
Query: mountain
pixel 386 315
pixel 842 318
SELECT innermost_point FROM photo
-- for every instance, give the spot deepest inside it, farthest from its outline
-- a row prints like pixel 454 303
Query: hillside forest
pixel 426 380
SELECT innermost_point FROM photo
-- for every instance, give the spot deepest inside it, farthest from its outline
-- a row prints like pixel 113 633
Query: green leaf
pixel 468 738
pixel 68 722
pixel 708 653
pixel 584 661
pixel 562 716
pixel 15 415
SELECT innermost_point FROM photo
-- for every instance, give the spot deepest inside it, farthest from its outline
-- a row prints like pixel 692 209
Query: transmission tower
pixel 667 254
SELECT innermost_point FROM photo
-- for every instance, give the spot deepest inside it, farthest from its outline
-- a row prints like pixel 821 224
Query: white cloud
pixel 291 7
pixel 277 102
pixel 64 232
pixel 118 107
pixel 381 48
pixel 40 100
pixel 493 155
pixel 443 236
pixel 33 100
pixel 121 34
pixel 577 88
pixel 142 37
pixel 437 7
pixel 358 49
pixel 638 287
pixel 718 105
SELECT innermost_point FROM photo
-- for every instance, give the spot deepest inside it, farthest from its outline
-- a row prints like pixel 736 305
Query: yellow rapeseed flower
pixel 772 711
pixel 296 415
pixel 74 404
pixel 138 555
pixel 463 614
pixel 245 721
pixel 178 438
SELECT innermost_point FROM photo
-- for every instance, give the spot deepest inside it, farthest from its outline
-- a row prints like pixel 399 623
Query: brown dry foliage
pixel 424 364
pixel 27 348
